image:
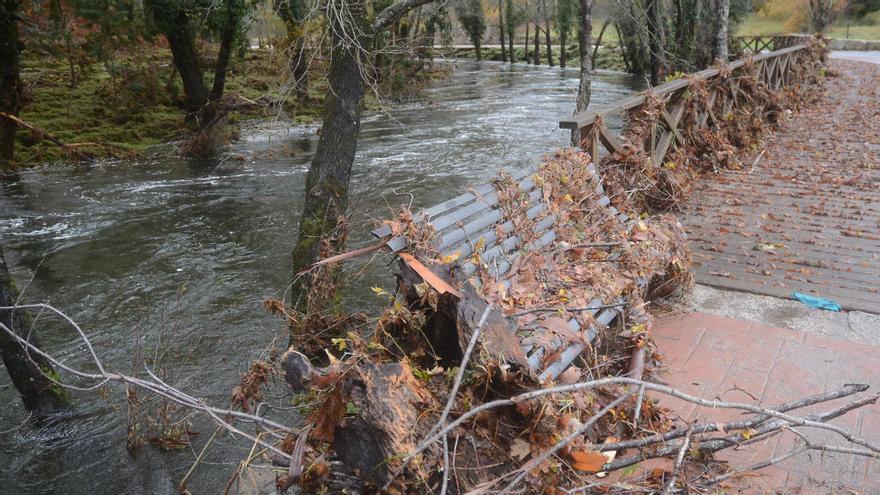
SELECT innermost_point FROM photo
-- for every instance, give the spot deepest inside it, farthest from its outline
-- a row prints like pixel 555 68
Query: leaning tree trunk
pixel 227 38
pixel 321 231
pixel 30 373
pixel 181 40
pixel 210 111
pixel 10 81
pixel 722 15
pixel 501 32
pixel 598 39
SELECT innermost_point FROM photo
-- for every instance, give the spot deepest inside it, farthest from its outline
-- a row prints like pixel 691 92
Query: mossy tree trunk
pixel 29 372
pixel 327 183
pixel 322 229
pixel 10 80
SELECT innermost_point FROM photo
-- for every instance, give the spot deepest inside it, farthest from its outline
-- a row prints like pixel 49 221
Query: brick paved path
pixel 740 361
pixel 807 218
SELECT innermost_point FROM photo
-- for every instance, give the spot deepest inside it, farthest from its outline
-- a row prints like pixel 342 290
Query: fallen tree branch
pixel 664 389
pixel 844 391
pixel 716 444
pixel 678 461
pixel 155 385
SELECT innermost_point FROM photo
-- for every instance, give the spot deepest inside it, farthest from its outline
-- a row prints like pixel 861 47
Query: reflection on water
pixel 133 248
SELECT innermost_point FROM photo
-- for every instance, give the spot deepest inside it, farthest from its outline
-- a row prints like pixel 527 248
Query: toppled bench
pixel 473 232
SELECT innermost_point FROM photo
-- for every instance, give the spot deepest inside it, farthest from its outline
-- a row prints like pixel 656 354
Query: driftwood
pixel 74 150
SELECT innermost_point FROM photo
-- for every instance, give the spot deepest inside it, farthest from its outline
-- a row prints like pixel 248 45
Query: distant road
pixel 872 57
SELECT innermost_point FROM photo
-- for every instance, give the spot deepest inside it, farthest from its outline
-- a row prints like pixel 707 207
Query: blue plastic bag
pixel 816 302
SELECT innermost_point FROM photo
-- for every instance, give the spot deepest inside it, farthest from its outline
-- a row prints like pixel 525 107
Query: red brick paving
pixel 740 361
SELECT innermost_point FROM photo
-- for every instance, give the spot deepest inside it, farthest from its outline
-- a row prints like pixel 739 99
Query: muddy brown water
pixel 185 251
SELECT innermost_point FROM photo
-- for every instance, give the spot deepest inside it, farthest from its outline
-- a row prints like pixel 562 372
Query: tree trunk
pixel 563 38
pixel 598 40
pixel 181 40
pixel 511 31
pixel 656 41
pixel 10 81
pixel 820 14
pixel 329 174
pixel 209 111
pixel 293 13
pixel 29 372
pixel 501 31
pixel 477 48
pixel 536 56
pixel 526 44
pixel 547 34
pixel 721 27
pixel 585 33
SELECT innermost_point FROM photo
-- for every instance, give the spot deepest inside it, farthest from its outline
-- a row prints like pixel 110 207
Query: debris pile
pixel 721 117
pixel 456 341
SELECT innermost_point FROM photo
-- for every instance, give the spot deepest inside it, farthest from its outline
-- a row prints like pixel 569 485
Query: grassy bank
pixel 759 24
pixel 135 101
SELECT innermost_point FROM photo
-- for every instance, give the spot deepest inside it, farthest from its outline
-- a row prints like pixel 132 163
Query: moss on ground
pixel 135 101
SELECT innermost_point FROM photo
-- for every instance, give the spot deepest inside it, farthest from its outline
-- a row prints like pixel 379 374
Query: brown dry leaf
pixel 588 461
pixel 327 416
pixel 520 449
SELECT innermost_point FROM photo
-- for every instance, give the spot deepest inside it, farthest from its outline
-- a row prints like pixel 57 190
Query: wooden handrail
pixel 584 119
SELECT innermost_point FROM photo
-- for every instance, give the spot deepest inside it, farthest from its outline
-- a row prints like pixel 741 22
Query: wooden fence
pixel 590 129
pixel 751 45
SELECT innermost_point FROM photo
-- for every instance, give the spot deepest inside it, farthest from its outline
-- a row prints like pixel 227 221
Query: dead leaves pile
pixel 736 120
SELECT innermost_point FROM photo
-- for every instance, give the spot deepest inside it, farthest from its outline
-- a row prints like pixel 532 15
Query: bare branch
pixel 393 13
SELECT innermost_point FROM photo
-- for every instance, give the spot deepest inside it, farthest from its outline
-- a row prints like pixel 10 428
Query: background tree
pixel 513 18
pixel 181 21
pixel 722 16
pixel 294 13
pixel 585 34
pixel 29 372
pixel 566 14
pixel 501 30
pixel 547 30
pixel 10 79
pixel 821 14
pixel 473 22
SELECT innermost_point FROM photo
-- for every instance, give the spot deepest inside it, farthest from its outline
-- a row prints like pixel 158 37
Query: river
pixel 162 247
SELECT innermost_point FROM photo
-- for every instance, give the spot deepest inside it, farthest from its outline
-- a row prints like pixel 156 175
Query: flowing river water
pixel 183 252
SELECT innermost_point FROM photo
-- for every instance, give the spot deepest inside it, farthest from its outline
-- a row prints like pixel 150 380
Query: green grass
pixel 757 24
